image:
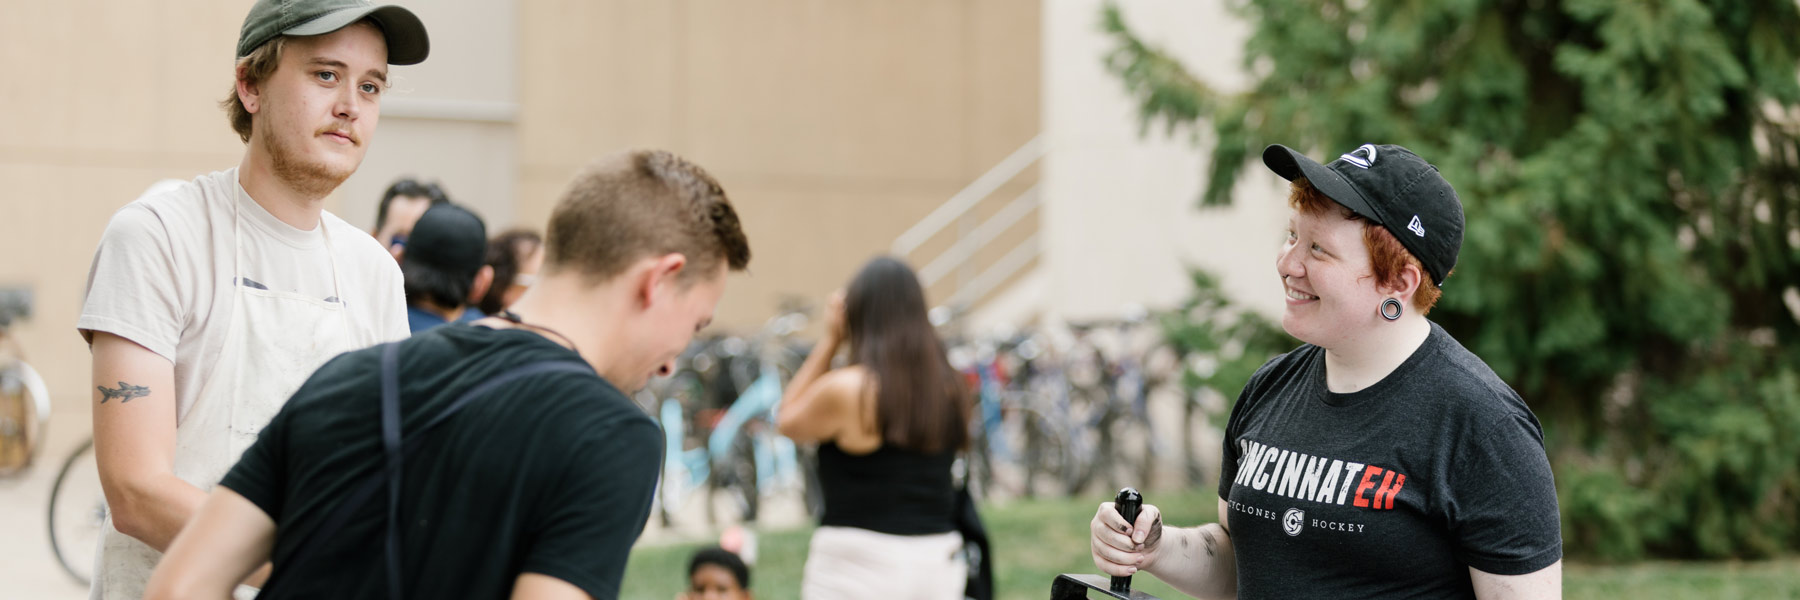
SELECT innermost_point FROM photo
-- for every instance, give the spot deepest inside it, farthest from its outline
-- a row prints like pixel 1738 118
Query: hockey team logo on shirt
pixel 1293 521
pixel 1323 480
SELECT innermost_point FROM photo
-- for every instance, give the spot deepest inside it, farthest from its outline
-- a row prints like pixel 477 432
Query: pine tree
pixel 1630 173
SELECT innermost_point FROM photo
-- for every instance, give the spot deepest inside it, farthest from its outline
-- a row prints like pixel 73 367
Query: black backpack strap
pixel 395 449
pixel 390 446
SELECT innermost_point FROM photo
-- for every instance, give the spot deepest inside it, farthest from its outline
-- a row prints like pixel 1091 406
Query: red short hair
pixel 1386 256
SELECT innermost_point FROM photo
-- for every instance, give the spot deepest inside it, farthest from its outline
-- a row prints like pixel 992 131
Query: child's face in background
pixel 713 582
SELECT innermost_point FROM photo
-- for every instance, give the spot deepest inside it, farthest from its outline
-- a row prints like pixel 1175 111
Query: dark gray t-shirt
pixel 1390 492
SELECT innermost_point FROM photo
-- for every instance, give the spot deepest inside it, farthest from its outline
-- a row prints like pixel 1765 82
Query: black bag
pixel 976 550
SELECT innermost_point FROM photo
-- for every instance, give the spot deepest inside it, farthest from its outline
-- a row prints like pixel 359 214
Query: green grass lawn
pixel 1034 540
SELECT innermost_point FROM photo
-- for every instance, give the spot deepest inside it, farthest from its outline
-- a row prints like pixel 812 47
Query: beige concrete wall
pixel 452 119
pixel 1121 207
pixel 832 125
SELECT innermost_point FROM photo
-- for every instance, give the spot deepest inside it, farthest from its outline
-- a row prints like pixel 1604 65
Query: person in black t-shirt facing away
pixel 538 485
pixel 888 426
pixel 1381 459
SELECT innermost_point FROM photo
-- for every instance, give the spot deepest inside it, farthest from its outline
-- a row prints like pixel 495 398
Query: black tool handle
pixel 1128 502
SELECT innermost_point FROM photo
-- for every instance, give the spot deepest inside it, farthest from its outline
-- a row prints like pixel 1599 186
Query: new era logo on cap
pixel 1352 158
pixel 1416 227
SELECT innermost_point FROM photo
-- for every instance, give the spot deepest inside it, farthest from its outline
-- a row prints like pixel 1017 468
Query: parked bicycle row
pixel 718 416
pixel 1060 408
pixel 1055 410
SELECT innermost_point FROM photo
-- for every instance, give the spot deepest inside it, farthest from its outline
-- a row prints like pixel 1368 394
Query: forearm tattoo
pixel 1210 542
pixel 125 392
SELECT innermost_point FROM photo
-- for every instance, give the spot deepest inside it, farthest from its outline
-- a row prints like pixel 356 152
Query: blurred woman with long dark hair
pixel 889 425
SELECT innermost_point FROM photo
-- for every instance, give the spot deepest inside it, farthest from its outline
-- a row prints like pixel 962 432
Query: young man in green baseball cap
pixel 208 304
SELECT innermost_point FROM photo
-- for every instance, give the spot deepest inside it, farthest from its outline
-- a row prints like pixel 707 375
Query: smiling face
pixel 316 114
pixel 1328 278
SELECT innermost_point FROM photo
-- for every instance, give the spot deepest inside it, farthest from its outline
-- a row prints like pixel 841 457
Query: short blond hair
pixel 253 69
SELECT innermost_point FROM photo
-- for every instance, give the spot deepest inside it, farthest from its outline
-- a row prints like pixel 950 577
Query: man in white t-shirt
pixel 208 304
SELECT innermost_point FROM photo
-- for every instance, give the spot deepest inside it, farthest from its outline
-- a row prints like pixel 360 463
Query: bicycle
pixel 77 510
pixel 1010 438
pixel 1143 364
pixel 24 399
pixel 1076 386
pixel 740 454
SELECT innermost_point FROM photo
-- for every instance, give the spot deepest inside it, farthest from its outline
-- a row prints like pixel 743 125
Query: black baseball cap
pixel 1390 185
pixel 407 43
pixel 448 239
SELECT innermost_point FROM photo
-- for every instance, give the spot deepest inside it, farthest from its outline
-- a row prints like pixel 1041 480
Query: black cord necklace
pixel 515 319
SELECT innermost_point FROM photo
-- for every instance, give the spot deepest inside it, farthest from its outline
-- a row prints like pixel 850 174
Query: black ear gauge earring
pixel 1392 305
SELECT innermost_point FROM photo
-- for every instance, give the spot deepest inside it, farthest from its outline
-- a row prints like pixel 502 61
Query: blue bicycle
pixel 730 449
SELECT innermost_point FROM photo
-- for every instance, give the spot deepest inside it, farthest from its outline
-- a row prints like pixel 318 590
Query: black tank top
pixel 892 491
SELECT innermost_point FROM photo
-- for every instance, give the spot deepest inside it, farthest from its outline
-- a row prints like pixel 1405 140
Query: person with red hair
pixel 1381 458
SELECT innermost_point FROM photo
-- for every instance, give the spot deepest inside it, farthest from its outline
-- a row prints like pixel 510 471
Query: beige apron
pixel 274 342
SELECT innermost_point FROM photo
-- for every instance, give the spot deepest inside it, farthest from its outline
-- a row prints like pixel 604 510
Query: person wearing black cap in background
pixel 1381 458
pixel 445 264
pixel 207 305
pixel 402 203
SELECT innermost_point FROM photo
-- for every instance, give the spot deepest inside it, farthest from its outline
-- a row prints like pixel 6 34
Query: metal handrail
pixel 966 247
pixel 969 197
pixel 978 287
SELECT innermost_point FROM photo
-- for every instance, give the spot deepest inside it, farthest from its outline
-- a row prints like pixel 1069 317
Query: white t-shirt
pixel 162 276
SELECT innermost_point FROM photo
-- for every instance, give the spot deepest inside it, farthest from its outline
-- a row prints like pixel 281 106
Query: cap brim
pixel 407 43
pixel 1291 164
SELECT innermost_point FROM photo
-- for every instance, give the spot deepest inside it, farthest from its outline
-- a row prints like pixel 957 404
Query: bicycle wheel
pixel 1046 453
pixel 77 513
pixel 1135 445
pixel 1089 434
pixel 24 413
pixel 732 494
pixel 978 465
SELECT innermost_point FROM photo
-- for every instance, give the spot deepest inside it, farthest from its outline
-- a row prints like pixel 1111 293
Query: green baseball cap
pixel 406 41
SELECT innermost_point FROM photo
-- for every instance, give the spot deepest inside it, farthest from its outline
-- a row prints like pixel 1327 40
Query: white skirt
pixel 852 563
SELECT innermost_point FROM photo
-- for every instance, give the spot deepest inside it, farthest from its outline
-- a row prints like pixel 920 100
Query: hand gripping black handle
pixel 1128 502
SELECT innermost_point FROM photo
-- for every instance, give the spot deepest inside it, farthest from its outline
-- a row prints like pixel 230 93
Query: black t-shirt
pixel 1390 492
pixel 552 474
